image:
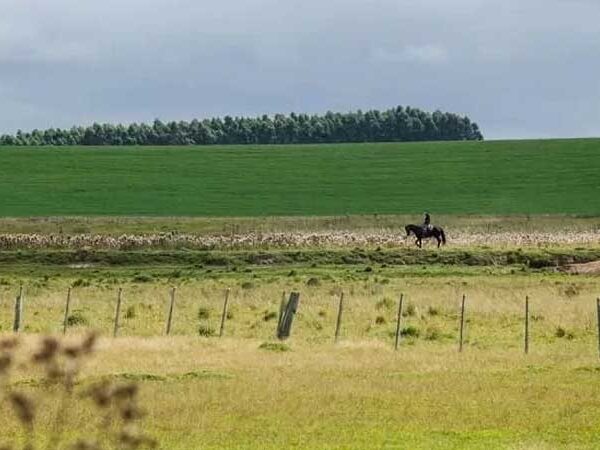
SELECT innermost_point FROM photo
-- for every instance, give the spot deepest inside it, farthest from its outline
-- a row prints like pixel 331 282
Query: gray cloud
pixel 521 69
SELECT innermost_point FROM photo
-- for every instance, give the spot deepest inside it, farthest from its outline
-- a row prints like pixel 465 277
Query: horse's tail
pixel 443 236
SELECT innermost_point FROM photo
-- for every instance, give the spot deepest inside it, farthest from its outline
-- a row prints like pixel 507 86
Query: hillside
pixel 497 177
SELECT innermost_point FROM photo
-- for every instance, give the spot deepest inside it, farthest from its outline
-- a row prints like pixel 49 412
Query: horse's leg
pixel 439 241
pixel 419 243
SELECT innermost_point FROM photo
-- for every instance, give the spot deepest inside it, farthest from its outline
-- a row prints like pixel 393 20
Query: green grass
pixel 356 394
pixel 508 177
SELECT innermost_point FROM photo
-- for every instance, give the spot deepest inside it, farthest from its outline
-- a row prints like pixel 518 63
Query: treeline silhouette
pixel 396 124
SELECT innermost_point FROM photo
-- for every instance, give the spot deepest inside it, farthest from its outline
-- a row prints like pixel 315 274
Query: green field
pixel 89 221
pixel 502 177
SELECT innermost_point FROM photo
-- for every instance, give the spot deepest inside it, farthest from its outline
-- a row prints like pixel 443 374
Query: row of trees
pixel 396 124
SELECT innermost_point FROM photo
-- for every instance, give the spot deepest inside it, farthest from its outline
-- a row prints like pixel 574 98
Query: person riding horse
pixel 427 222
pixel 426 230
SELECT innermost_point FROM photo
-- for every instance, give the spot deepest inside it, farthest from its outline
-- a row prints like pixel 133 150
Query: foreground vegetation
pixel 311 393
pixel 509 177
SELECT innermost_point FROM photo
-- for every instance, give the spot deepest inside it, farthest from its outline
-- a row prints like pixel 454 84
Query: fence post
pixel 224 315
pixel 117 312
pixel 285 328
pixel 338 324
pixel 462 323
pixel 67 305
pixel 398 322
pixel 18 311
pixel 598 314
pixel 171 306
pixel 526 324
pixel 281 310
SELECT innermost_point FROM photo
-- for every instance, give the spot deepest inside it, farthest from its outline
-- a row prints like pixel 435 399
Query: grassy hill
pixel 501 177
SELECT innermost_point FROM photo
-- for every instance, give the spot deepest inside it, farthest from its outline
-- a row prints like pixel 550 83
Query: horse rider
pixel 427 222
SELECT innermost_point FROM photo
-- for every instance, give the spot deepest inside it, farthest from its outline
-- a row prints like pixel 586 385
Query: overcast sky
pixel 520 68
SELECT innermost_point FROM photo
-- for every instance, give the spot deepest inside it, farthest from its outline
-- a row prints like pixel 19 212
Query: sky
pixel 519 68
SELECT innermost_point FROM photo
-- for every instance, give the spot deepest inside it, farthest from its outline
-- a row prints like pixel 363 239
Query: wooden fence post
pixel 285 328
pixel 338 325
pixel 281 311
pixel 598 314
pixel 462 324
pixel 224 315
pixel 171 306
pixel 117 312
pixel 18 311
pixel 398 322
pixel 526 324
pixel 67 306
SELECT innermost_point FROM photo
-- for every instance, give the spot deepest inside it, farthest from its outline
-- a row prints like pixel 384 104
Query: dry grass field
pixel 246 391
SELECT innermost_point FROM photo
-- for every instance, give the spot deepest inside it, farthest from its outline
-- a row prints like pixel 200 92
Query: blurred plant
pixel 60 363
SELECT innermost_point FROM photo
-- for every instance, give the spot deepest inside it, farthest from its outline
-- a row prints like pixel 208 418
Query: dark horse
pixel 422 233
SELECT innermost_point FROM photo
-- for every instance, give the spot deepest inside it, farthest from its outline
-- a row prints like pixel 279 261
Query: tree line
pixel 395 124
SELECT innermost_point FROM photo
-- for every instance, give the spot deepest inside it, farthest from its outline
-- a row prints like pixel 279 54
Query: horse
pixel 423 233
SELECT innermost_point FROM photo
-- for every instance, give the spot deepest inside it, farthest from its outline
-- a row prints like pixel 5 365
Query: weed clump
pixel 80 282
pixel 142 278
pixel 386 303
pixel 433 311
pixel 410 331
pixel 410 310
pixel 313 282
pixel 433 334
pixel 560 332
pixel 203 313
pixel 130 313
pixel 380 320
pixel 247 285
pixel 206 331
pixel 77 318
pixel 278 347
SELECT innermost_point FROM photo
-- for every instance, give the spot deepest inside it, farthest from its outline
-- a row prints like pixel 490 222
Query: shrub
pixel 274 347
pixel 76 318
pixel 432 311
pixel 130 312
pixel 80 282
pixel 410 331
pixel 142 278
pixel 206 331
pixel 247 285
pixel 410 310
pixel 313 281
pixel 560 332
pixel 433 334
pixel 380 320
pixel 386 303
pixel 203 313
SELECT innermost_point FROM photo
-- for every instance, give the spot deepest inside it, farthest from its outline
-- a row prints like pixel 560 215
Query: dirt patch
pixel 591 268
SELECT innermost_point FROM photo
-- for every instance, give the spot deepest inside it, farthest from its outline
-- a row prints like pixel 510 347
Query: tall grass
pixel 242 391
